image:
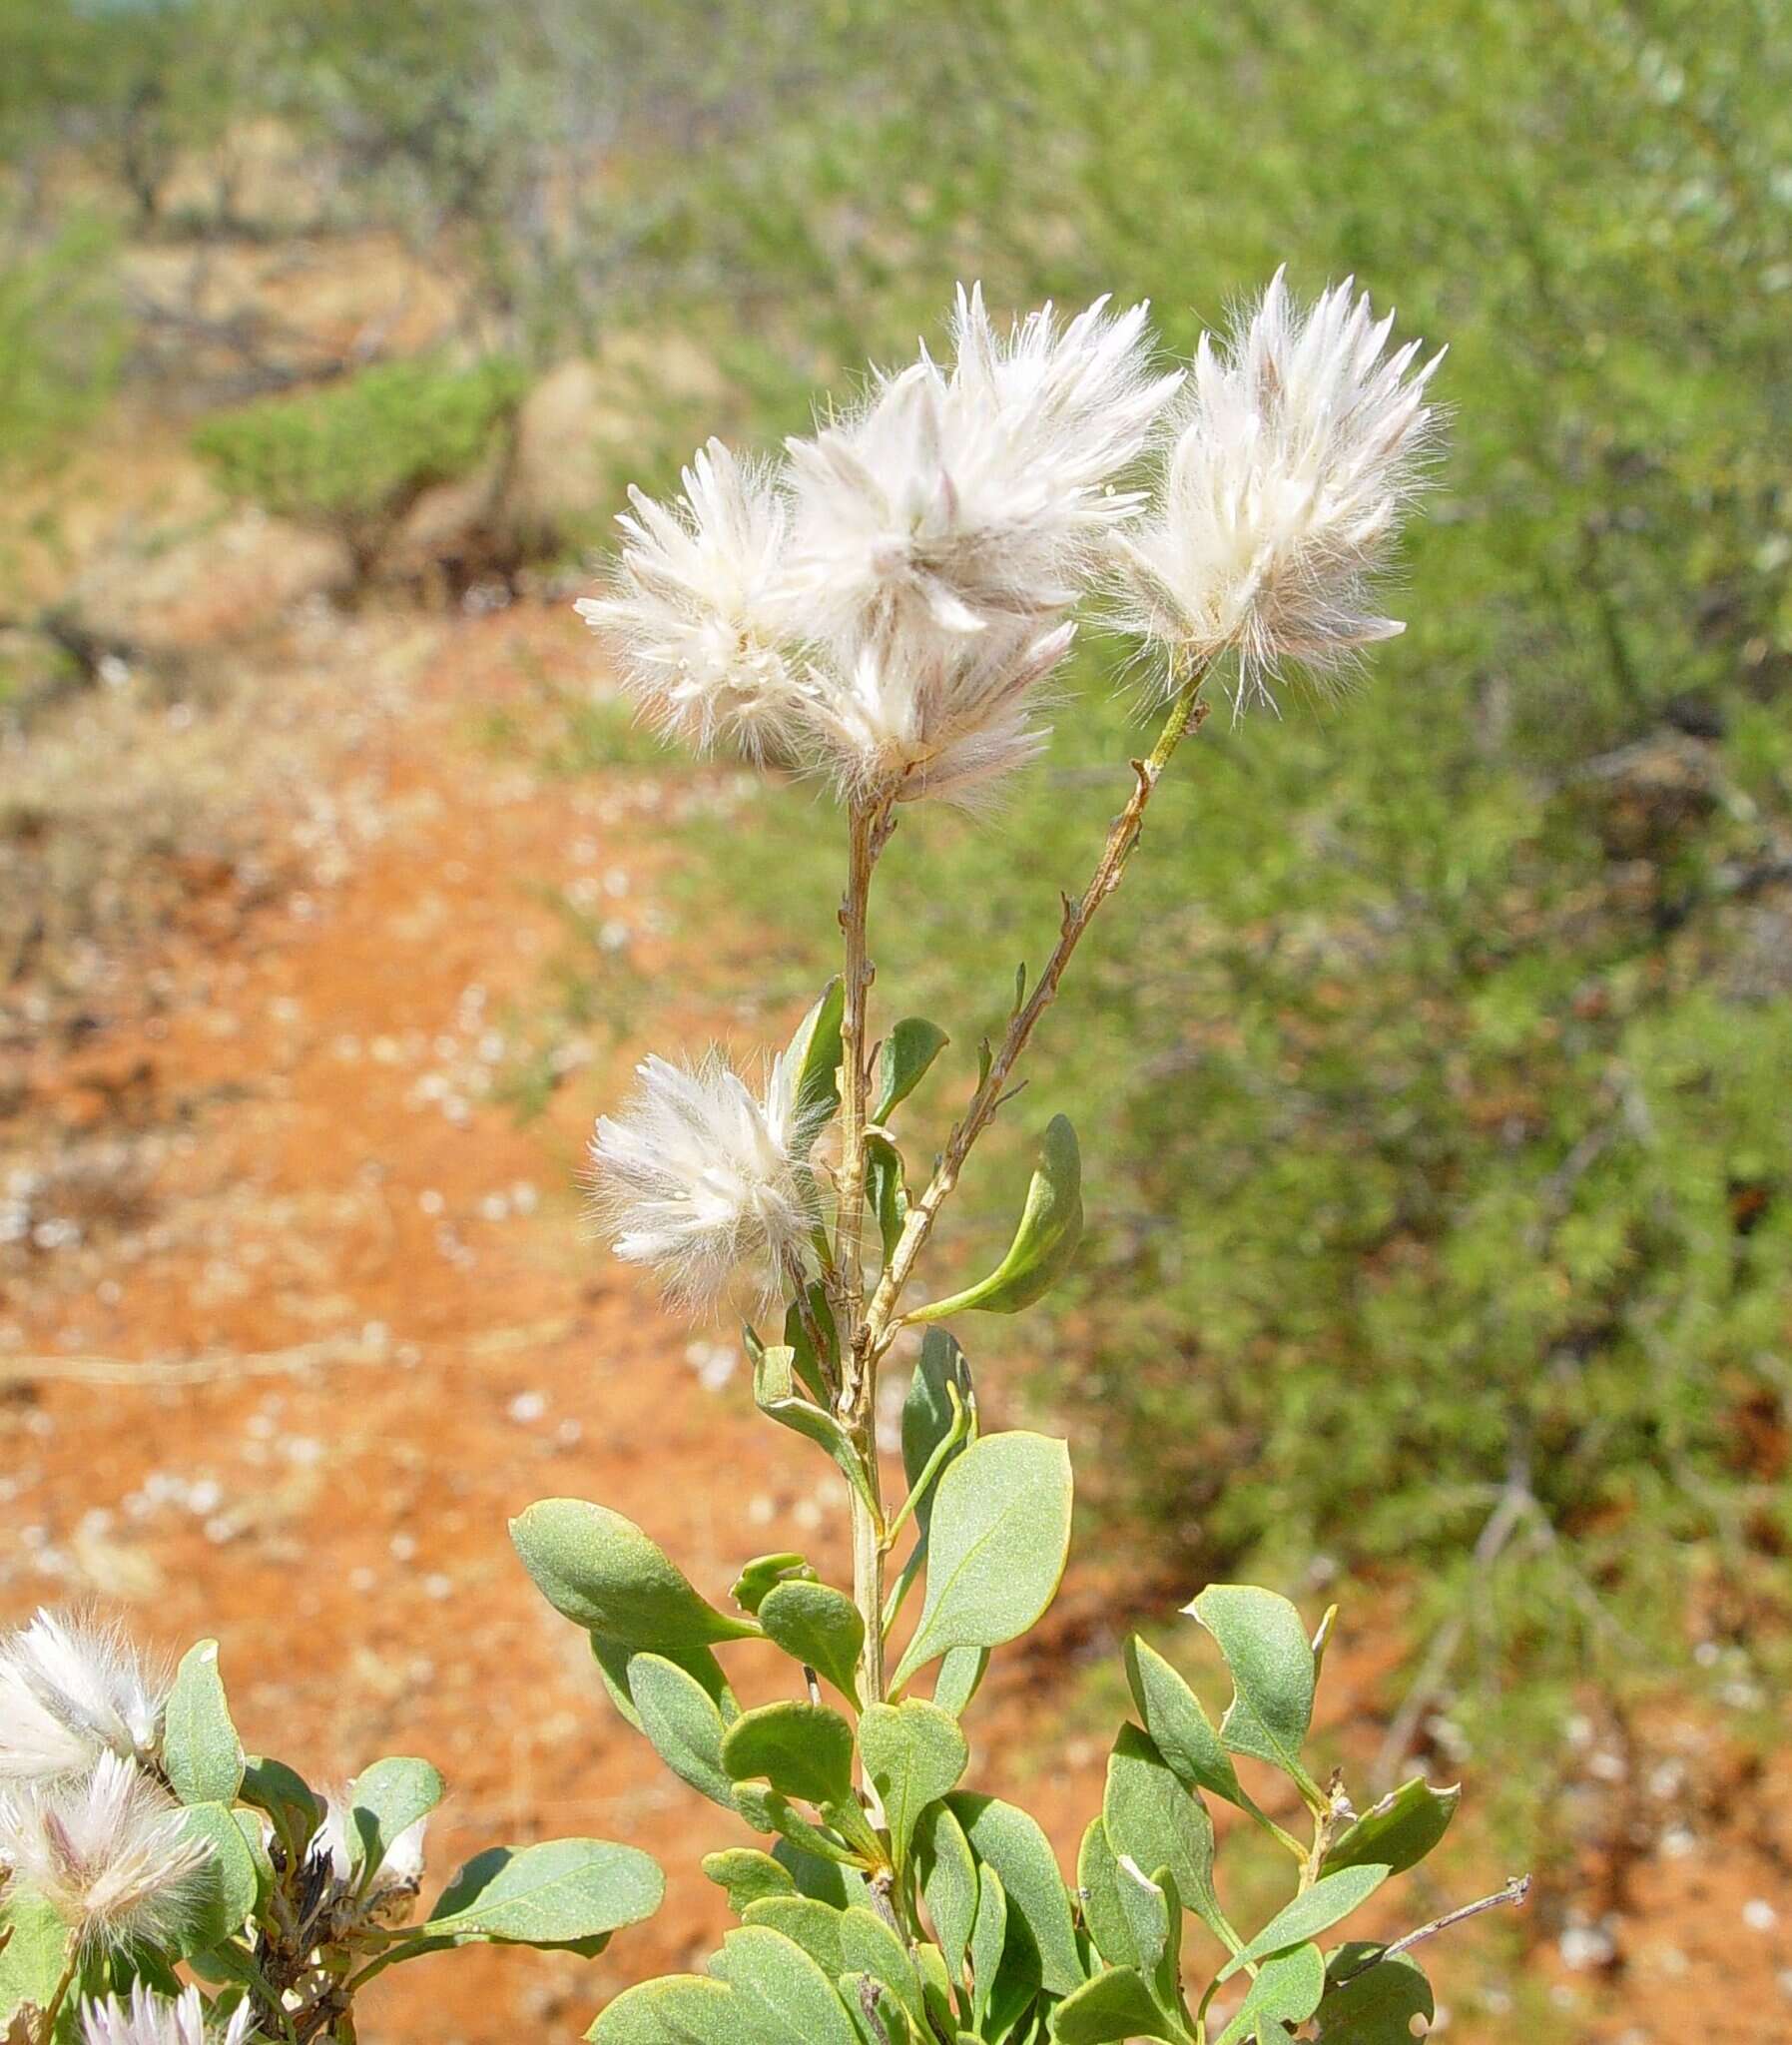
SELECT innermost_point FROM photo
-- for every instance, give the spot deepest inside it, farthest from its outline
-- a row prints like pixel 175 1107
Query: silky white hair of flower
pixel 150 2019
pixel 910 717
pixel 697 608
pixel 1301 443
pixel 69 1691
pixel 947 501
pixel 701 1179
pixel 111 1854
pixel 399 1867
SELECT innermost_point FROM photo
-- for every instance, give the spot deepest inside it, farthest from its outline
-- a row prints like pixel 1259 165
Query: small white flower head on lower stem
pixel 379 1891
pixel 71 1690
pixel 907 718
pixel 697 608
pixel 150 2019
pixel 111 1854
pixel 1300 445
pixel 705 1181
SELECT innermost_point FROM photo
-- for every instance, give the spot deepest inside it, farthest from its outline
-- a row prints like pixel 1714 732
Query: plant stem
pixel 54 2007
pixel 1187 714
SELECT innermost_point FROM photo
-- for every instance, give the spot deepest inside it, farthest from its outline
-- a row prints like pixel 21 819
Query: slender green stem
pixel 934 1464
pixel 53 2009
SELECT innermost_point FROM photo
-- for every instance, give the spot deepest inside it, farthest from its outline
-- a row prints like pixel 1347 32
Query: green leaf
pixel 1153 1921
pixel 1098 1881
pixel 801 1749
pixel 1314 1910
pixel 940 1374
pixel 886 1184
pixel 681 1720
pixel 813 1058
pixel 1271 1659
pixel 871 1947
pixel 1155 1820
pixel 818 1626
pixel 781 1990
pixel 775 1394
pixel 680 2009
pixel 1286 1991
pixel 199 1749
pixel 812 1925
pixel 613 1658
pixel 822 1880
pixel 1108 2010
pixel 988 1939
pixel 387 1800
pixel 910 1048
pixel 295 1808
pixel 913 1755
pixel 804 1359
pixel 962 1673
pixel 877 2018
pixel 1378 2002
pixel 1010 1841
pixel 604 1574
pixel 1180 1729
pixel 748 1875
pixel 764 1573
pixel 1044 1242
pixel 948 1883
pixel 768 1810
pixel 1400 1830
pixel 231 1882
pixel 549 1894
pixel 996 1548
pixel 38 1943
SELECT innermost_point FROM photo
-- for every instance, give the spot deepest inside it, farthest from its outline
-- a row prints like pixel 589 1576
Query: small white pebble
pixel 404 1547
pixel 438 1586
pixel 527 1406
pixel 1759 1915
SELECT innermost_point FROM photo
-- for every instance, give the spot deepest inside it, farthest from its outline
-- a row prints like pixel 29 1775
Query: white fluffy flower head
pixel 703 1181
pixel 71 1690
pixel 111 1854
pixel 696 609
pixel 1301 444
pixel 150 2019
pixel 952 500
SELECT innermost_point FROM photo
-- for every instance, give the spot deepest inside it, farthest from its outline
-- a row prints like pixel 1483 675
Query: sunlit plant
pixel 884 609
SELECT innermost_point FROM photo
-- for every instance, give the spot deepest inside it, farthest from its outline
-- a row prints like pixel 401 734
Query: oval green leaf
pixel 818 1626
pixel 603 1572
pixel 199 1749
pixel 1044 1242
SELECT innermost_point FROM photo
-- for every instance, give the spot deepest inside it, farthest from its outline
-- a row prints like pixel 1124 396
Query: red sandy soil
pixel 333 1317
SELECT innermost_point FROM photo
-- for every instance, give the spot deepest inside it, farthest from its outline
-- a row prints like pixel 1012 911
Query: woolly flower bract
pixel 149 2019
pixel 401 1868
pixel 1301 442
pixel 703 1181
pixel 70 1691
pixel 111 1854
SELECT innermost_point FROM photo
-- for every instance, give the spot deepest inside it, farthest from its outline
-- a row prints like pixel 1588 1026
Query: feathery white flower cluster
pixel 885 607
pixel 700 1177
pixel 84 1821
pixel 150 2019
pixel 1299 445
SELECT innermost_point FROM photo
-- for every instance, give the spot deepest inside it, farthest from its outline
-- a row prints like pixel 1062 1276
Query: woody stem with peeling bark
pixel 882 1319
pixel 869 828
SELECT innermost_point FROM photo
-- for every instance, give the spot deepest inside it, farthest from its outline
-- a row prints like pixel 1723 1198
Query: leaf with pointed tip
pixel 201 1753
pixel 1314 1910
pixel 1286 1992
pixel 887 1186
pixel 910 1048
pixel 929 1418
pixel 1098 1881
pixel 781 1990
pixel 813 1059
pixel 1108 2010
pixel 1156 1820
pixel 988 1939
pixel 605 1575
pixel 1180 1729
pixel 388 1799
pixel 748 1875
pixel 1154 1920
pixel 913 1755
pixel 962 1673
pixel 554 1893
pixel 681 1720
pixel 1271 1659
pixel 996 1546
pixel 1006 1839
pixel 798 1340
pixel 948 1883
pixel 1400 1830
pixel 1044 1242
pixel 820 1628
pixel 1371 2001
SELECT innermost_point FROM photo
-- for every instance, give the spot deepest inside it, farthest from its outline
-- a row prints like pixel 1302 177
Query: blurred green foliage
pixel 62 337
pixel 355 456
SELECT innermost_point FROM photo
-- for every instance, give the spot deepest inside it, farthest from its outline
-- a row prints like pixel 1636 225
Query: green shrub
pixel 61 337
pixel 355 457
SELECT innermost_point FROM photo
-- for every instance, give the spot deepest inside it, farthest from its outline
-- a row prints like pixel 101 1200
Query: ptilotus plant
pixel 885 607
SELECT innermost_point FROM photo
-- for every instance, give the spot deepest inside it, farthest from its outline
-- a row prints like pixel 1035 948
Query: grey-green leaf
pixel 679 2009
pixel 820 1627
pixel 1098 1879
pixel 550 1895
pixel 680 1718
pixel 813 1058
pixel 1180 1729
pixel 961 1676
pixel 940 1374
pixel 774 1393
pixel 1314 1910
pixel 801 1749
pixel 1113 2007
pixel 948 1883
pixel 1006 1839
pixel 1271 1659
pixel 229 1886
pixel 814 1926
pixel 1400 1830
pixel 1286 1991
pixel 1152 1816
pixel 748 1875
pixel 199 1749
pixel 996 1548
pixel 603 1572
pixel 613 1658
pixel 388 1799
pixel 910 1048
pixel 764 1573
pixel 1044 1242
pixel 1372 2001
pixel 35 1952
pixel 781 1989
pixel 871 1947
pixel 913 1755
